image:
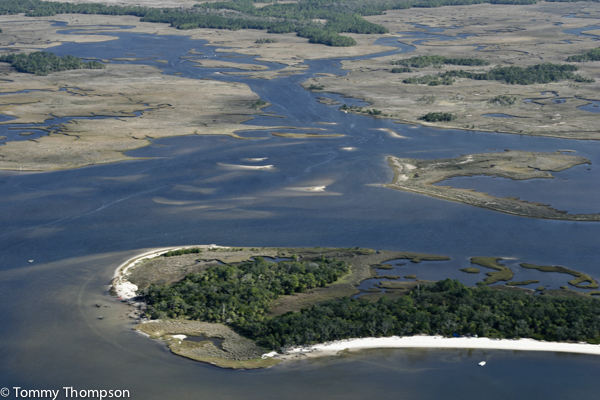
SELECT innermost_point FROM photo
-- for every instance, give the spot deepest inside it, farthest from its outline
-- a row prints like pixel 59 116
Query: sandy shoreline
pixel 121 286
pixel 436 342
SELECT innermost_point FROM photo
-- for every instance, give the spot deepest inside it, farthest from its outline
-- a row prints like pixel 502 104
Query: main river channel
pixel 78 225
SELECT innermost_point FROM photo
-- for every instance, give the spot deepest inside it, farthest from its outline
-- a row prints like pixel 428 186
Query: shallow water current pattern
pixel 78 225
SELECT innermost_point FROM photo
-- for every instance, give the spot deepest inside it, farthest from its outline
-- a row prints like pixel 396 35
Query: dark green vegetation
pixel 503 100
pixel 578 282
pixel 592 55
pixel 342 16
pixel 540 73
pixel 445 308
pixel 261 41
pixel 180 252
pixel 358 109
pixel 427 61
pixel 44 63
pixel 523 283
pixel 258 104
pixel 438 116
pixel 401 70
pixel 504 273
pixel 316 87
pixel 431 80
pixel 234 293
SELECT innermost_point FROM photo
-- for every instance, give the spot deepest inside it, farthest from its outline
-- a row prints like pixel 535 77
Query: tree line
pixel 592 55
pixel 435 60
pixel 44 63
pixel 445 308
pixel 540 73
pixel 342 16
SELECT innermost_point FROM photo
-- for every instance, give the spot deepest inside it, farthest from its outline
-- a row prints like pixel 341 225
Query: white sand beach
pixel 437 342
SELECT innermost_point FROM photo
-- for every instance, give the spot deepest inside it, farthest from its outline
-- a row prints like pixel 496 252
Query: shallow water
pixel 79 225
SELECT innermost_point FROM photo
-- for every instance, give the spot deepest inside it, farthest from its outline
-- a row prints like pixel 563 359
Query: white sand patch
pixel 402 177
pixel 255 159
pixel 439 342
pixel 245 167
pixel 392 133
pixel 349 148
pixel 409 167
pixel 179 337
pixel 468 160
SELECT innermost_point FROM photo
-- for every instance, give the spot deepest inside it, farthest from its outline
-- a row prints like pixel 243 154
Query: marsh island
pixel 418 176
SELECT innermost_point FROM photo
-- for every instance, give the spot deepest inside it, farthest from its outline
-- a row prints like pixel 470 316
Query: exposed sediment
pixel 418 176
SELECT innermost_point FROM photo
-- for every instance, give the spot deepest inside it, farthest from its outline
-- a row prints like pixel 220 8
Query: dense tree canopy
pixel 426 61
pixel 443 308
pixel 44 63
pixel 233 293
pixel 592 55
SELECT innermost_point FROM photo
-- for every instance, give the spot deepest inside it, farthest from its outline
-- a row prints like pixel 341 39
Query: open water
pixel 78 225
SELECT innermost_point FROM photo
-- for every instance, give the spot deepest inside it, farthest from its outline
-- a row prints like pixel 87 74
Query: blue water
pixel 79 225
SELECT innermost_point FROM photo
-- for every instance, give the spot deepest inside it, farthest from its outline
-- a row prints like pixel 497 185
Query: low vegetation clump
pixel 258 104
pixel 401 70
pixel 438 116
pixel 44 63
pixel 522 283
pixel 503 100
pixel 431 80
pixel 233 293
pixel 592 55
pixel 316 87
pixel 261 41
pixel 427 61
pixel 470 270
pixel 443 308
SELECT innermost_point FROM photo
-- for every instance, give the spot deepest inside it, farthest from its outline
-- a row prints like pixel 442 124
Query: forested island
pixel 294 297
pixel 43 63
pixel 513 75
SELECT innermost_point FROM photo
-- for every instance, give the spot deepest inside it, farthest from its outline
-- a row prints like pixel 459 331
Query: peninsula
pixel 240 308
pixel 419 176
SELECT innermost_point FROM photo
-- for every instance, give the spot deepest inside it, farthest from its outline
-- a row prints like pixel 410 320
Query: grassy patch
pixel 540 288
pixel 470 270
pixel 580 278
pixel 504 273
pixel 410 277
pixel 522 283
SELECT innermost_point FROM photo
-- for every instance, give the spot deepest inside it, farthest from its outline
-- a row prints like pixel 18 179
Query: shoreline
pixel 125 290
pixel 435 342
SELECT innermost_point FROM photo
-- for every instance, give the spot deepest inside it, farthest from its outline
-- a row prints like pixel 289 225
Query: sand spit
pixel 436 342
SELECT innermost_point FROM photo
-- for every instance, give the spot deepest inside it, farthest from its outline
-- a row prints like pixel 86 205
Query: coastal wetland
pixel 78 225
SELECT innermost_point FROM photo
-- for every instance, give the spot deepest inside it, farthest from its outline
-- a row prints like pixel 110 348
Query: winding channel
pixel 78 225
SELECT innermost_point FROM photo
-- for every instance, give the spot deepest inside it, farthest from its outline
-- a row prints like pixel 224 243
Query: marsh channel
pixel 78 225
